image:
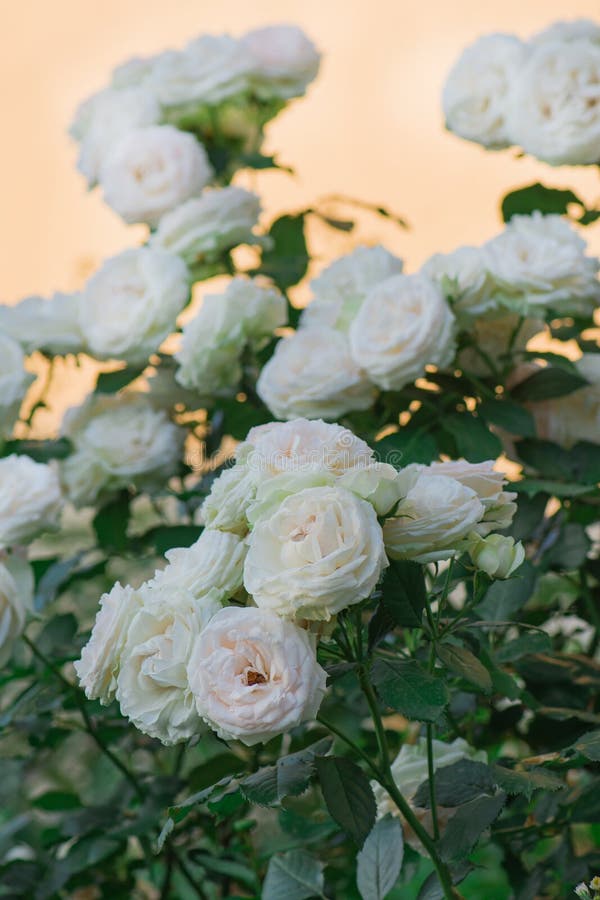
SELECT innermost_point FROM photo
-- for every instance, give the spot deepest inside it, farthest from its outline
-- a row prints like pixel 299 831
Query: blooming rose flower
pixel 14 383
pixel 30 499
pixel 554 110
pixel 246 314
pixel 49 325
pixel 254 675
pixel 341 288
pixel 16 600
pixel 488 484
pixel 312 374
pixel 539 262
pixel 130 305
pixel 214 564
pixel 150 171
pixel 320 551
pixel 100 660
pixel 152 684
pixel 567 31
pixel 135 71
pixel 434 518
pixel 202 229
pixel 284 60
pixel 576 416
pixel 497 555
pixel 495 340
pixel 403 326
pixel 226 506
pixel 464 279
pixel 210 69
pixel 119 440
pixel 477 91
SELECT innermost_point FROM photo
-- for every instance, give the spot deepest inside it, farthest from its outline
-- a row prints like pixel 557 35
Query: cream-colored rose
pixel 320 551
pixel 434 517
pixel 210 69
pixel 202 229
pixel 133 72
pixel 539 263
pixel 496 555
pixel 312 374
pixel 567 31
pixel 554 107
pixel 576 416
pixel 495 340
pixel 14 383
pixel 114 114
pixel 30 499
pixel 16 600
pixel 119 440
pixel 100 660
pixel 150 171
pixel 341 288
pixel 245 314
pixel 214 564
pixel 254 675
pixel 226 506
pixel 50 325
pixel 477 91
pixel 403 326
pixel 130 305
pixel 284 60
pixel 152 684
pixel 465 281
pixel 488 484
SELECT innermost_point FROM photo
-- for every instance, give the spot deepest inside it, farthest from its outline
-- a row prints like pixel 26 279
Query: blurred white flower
pixel 283 60
pixel 47 324
pixel 14 383
pixel 30 499
pixel 210 69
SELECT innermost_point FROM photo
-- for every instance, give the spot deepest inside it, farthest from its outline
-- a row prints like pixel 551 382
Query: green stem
pixel 431 778
pixel 182 866
pixel 340 734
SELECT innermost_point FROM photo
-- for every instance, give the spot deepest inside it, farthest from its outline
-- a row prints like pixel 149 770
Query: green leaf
pixel 509 416
pixel 457 784
pixel 289 777
pixel 112 382
pixel 553 381
pixel 409 689
pixel 537 196
pixel 571 548
pixel 53 801
pixel 408 445
pixel 503 599
pixel 240 417
pixel 526 644
pixel 464 663
pixel 472 437
pixel 286 261
pixel 110 523
pixel 403 592
pixel 532 487
pixel 526 782
pixel 348 795
pixel 466 826
pixel 293 876
pixel 56 637
pixel 40 451
pixel 547 458
pixel 588 745
pixel 166 537
pixel 380 860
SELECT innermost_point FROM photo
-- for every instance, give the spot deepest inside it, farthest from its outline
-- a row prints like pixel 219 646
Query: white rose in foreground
pixel 30 499
pixel 119 440
pixel 434 518
pixel 254 675
pixel 464 279
pixel 214 564
pixel 341 288
pixel 210 69
pixel 130 305
pixel 488 484
pixel 312 374
pixel 495 340
pixel 539 262
pixel 152 684
pixel 50 325
pixel 496 555
pixel 476 94
pixel 14 383
pixel 403 326
pixel 319 552
pixel 202 229
pixel 16 600
pixel 554 109
pixel 150 171
pixel 284 60
pixel 226 506
pixel 100 660
pixel 115 114
pixel 576 416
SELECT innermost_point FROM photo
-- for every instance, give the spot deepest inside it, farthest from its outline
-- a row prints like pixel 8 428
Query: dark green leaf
pixel 166 537
pixel 409 689
pixel 348 795
pixel 56 637
pixel 526 781
pixel 110 523
pixel 466 826
pixel 547 458
pixel 57 800
pixel 550 382
pixel 408 445
pixel 40 451
pixel 503 599
pixel 531 642
pixel 589 745
pixel 293 876
pixel 287 260
pixel 403 592
pixel 464 663
pixel 289 777
pixel 472 437
pixel 537 196
pixel 112 382
pixel 509 416
pixel 457 784
pixel 380 860
pixel 533 487
pixel 570 549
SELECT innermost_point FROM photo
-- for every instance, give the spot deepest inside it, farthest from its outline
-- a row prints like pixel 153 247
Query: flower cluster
pixel 542 95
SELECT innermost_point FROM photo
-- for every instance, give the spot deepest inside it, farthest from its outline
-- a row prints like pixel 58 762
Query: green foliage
pixel 406 687
pixel 379 861
pixel 348 795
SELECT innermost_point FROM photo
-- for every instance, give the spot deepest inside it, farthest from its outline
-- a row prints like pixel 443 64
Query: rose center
pixel 253 677
pixel 302 531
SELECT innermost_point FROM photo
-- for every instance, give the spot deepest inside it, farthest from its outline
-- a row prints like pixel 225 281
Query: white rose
pixel 554 110
pixel 254 675
pixel 572 627
pixel 30 499
pixel 130 305
pixel 576 416
pixel 488 484
pixel 100 660
pixel 539 262
pixel 50 325
pixel 152 684
pixel 16 600
pixel 496 555
pixel 284 60
pixel 246 314
pixel 464 279
pixel 118 440
pixel 319 552
pixel 403 326
pixel 133 72
pixel 114 114
pixel 434 518
pixel 214 564
pixel 150 171
pixel 202 229
pixel 226 506
pixel 341 288
pixel 210 69
pixel 313 374
pixel 495 340
pixel 378 483
pixel 14 383
pixel 567 31
pixel 477 91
